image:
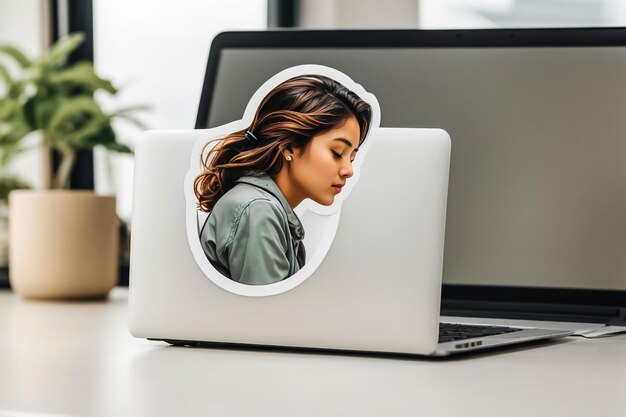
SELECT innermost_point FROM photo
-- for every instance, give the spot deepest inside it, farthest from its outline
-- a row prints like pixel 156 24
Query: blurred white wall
pixel 359 14
pixel 24 23
pixel 458 14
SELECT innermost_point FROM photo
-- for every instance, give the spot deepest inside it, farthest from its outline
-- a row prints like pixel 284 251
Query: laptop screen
pixel 537 192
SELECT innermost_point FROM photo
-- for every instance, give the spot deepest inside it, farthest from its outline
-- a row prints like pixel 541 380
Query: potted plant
pixel 63 244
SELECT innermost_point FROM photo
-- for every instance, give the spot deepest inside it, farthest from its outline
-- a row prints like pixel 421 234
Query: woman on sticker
pixel 301 144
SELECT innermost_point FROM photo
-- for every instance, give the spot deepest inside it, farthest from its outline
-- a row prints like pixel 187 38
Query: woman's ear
pixel 288 153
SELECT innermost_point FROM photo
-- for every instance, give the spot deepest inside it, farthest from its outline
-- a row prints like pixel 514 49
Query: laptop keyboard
pixel 449 332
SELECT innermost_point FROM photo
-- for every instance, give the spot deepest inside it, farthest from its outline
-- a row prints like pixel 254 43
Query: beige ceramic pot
pixel 62 244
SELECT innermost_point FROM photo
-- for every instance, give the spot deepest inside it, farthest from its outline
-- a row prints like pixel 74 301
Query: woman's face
pixel 321 170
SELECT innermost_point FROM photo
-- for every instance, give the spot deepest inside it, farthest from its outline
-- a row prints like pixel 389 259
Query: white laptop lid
pixel 376 289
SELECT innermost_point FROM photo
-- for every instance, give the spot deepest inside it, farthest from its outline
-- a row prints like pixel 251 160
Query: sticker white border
pixel 333 211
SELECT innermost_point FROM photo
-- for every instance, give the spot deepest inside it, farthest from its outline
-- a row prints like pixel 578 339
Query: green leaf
pixel 7 108
pixel 103 137
pixel 118 147
pixel 74 120
pixel 11 133
pixel 58 53
pixel 81 74
pixel 90 134
pixel 17 88
pixel 4 74
pixel 13 126
pixel 29 112
pixel 17 55
pixel 45 108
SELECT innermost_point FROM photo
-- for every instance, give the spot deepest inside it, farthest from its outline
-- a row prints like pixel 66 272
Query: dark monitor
pixel 537 194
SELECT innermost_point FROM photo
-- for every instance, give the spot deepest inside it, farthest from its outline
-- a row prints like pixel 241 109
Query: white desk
pixel 78 359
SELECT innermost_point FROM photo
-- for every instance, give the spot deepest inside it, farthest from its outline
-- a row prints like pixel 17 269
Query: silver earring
pixel 288 158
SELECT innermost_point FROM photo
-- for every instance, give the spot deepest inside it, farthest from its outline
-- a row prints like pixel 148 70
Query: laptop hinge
pixel 615 316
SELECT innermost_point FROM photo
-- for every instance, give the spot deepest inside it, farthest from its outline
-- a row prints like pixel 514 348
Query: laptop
pixel 373 286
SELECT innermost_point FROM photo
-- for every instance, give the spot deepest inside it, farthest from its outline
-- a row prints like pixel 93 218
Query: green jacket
pixel 252 235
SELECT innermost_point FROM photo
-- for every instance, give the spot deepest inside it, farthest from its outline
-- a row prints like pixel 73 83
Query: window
pixel 155 52
pixel 457 14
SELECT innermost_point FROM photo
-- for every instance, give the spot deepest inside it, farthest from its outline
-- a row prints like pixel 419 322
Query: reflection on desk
pixel 78 359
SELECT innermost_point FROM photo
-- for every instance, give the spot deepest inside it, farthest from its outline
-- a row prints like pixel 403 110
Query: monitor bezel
pixel 454 297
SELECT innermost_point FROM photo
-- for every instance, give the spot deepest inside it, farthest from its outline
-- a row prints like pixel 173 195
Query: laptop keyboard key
pixel 449 332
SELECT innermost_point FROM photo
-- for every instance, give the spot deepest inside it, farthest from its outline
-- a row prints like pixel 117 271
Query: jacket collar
pixel 266 183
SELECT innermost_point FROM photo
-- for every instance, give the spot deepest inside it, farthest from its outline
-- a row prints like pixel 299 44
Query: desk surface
pixel 78 359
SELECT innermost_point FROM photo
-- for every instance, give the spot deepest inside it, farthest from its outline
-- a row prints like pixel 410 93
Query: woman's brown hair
pixel 287 119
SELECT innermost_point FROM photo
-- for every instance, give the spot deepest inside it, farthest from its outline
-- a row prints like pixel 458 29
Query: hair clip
pixel 250 136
